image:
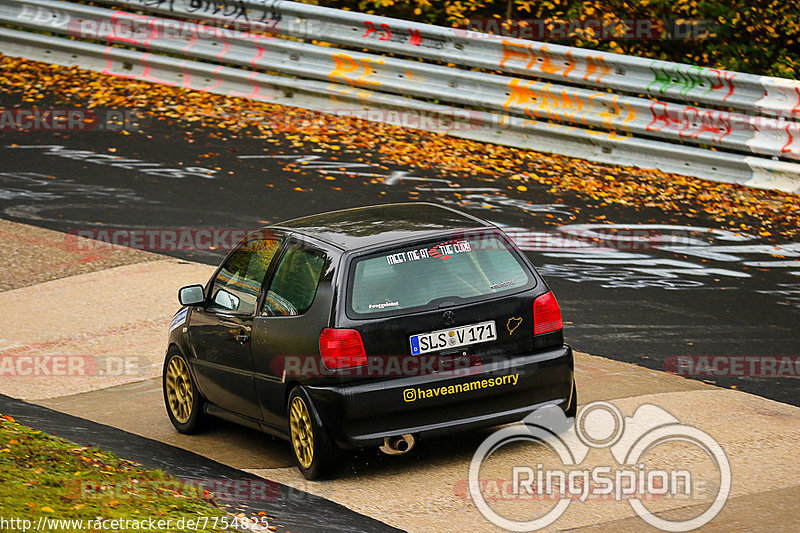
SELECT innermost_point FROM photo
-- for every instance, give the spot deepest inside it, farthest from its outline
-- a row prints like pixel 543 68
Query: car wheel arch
pixel 176 347
pixel 196 414
pixel 289 387
pixel 313 408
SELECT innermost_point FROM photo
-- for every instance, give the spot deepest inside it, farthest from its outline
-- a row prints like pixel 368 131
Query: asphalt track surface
pixel 298 511
pixel 708 292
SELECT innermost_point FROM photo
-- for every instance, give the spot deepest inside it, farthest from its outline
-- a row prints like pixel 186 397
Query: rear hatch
pixel 455 301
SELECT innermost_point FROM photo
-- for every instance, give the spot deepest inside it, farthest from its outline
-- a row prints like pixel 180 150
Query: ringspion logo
pixel 628 478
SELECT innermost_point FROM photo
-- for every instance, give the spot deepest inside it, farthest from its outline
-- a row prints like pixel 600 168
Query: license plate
pixel 453 337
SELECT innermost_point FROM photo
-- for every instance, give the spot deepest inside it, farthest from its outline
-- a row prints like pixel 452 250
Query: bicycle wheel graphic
pixel 690 435
pixel 504 437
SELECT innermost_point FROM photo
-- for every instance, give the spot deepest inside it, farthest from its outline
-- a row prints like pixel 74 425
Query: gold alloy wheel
pixel 179 389
pixel 302 433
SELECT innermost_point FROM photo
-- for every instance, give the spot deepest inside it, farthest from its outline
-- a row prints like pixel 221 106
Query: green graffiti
pixel 664 79
pixel 692 81
pixel 660 77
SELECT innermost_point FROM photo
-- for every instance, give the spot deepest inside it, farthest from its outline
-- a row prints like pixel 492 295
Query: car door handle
pixel 244 335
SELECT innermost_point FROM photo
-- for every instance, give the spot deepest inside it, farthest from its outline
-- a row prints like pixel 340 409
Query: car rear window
pixel 459 269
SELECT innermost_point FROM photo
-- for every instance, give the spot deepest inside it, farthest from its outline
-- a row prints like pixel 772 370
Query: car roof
pixel 363 227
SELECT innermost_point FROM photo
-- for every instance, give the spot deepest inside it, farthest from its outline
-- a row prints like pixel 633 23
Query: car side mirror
pixel 226 300
pixel 191 295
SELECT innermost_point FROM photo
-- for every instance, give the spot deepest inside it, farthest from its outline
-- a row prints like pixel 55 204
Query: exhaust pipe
pixel 398 444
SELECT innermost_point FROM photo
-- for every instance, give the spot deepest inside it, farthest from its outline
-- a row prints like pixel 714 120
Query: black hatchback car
pixel 366 327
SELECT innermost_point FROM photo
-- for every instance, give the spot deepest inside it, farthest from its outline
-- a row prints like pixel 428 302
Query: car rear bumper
pixel 362 414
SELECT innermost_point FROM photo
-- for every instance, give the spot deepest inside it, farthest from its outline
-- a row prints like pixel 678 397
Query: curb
pixel 298 511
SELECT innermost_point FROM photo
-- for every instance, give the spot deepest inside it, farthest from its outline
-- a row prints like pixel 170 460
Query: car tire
pixel 182 399
pixel 314 451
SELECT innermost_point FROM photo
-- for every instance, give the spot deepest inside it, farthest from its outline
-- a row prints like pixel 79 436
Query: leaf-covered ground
pixel 45 476
pixel 773 215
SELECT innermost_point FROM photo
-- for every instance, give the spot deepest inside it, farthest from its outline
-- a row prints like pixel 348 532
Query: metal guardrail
pixel 521 97
pixel 690 83
pixel 377 81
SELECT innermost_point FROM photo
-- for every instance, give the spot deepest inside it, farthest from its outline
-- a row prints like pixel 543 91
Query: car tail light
pixel 546 314
pixel 341 348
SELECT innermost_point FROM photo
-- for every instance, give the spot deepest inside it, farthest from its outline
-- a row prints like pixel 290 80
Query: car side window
pixel 295 283
pixel 236 287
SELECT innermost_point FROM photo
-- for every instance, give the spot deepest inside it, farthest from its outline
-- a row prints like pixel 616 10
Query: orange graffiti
pixel 570 64
pixel 520 94
pixel 596 64
pixel 545 103
pixel 547 65
pixel 541 58
pixel 631 116
pixel 570 107
pixel 536 102
pixel 515 52
pixel 345 68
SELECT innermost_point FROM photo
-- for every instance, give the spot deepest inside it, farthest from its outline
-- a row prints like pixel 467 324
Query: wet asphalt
pixel 692 289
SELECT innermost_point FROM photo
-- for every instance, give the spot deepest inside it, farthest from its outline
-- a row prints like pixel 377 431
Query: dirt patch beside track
pixel 30 255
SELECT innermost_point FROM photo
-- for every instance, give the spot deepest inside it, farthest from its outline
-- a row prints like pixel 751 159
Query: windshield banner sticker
pixel 441 251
